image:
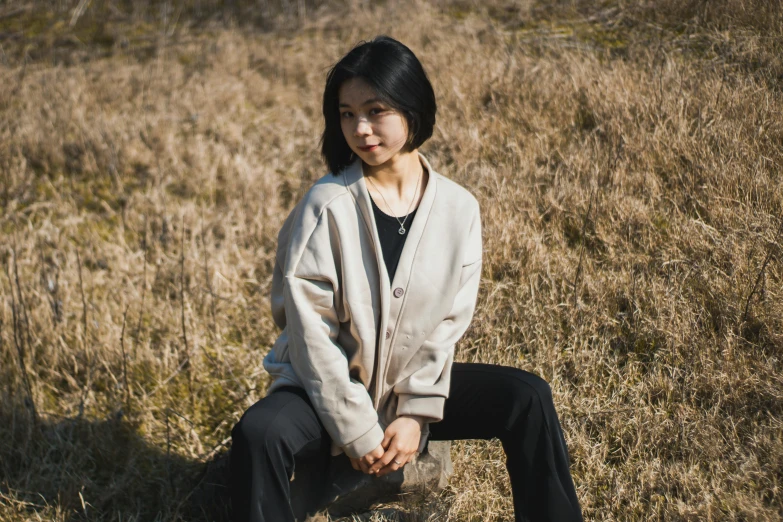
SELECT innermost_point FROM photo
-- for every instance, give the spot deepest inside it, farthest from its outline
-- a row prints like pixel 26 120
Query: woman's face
pixel 374 131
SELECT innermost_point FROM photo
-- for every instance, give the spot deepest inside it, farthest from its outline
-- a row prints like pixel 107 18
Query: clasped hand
pixel 400 442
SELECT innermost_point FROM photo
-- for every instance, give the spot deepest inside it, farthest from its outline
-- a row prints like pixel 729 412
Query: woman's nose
pixel 362 127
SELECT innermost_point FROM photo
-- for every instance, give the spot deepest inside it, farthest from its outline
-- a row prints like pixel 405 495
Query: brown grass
pixel 628 162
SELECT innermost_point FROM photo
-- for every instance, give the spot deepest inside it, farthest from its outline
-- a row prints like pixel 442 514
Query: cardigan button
pixel 398 292
pixel 388 333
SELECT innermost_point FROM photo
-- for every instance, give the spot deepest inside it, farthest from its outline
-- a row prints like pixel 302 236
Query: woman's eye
pixel 375 112
pixel 345 114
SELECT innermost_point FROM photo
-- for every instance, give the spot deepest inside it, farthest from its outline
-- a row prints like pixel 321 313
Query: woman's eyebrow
pixel 366 102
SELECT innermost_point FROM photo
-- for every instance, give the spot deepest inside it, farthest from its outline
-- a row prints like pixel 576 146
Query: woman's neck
pixel 397 176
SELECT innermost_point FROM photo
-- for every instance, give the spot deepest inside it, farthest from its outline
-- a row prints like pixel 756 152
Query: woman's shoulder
pixel 303 221
pixel 454 195
pixel 323 192
pixel 311 205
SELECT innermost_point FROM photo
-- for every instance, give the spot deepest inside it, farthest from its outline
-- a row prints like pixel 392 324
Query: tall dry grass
pixel 628 163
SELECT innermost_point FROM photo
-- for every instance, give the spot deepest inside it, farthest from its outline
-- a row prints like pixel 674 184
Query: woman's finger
pixel 371 458
pixel 365 462
pixel 398 462
pixel 393 466
pixel 388 457
pixel 378 453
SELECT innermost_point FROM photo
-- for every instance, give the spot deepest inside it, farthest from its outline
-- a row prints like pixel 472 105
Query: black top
pixel 391 239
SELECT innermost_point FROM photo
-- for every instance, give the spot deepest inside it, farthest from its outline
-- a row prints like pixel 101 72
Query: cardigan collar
pixel 356 184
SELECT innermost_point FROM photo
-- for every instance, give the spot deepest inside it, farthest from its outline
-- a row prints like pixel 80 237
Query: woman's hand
pixel 400 442
pixel 364 463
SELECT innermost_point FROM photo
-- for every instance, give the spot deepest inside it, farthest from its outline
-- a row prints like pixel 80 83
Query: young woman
pixel 376 278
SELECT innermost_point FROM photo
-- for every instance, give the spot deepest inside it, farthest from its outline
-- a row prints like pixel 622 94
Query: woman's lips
pixel 369 148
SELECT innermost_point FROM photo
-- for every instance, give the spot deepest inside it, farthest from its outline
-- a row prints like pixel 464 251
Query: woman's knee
pixel 526 386
pixel 257 428
pixel 250 428
pixel 279 422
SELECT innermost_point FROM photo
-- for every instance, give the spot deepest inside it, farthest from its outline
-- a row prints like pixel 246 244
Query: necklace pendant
pixel 401 230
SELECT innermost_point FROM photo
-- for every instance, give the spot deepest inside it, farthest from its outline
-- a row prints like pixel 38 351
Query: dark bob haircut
pixel 396 75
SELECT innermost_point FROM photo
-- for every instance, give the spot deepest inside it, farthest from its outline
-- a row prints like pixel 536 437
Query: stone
pixel 352 491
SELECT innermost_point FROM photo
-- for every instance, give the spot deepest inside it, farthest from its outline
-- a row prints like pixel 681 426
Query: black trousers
pixel 485 402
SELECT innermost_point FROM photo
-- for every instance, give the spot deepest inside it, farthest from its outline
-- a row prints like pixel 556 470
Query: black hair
pixel 397 76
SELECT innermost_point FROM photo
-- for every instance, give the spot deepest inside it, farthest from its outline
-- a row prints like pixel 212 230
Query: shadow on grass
pixel 98 470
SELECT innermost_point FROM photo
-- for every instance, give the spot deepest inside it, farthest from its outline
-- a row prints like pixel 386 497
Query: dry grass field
pixel 628 157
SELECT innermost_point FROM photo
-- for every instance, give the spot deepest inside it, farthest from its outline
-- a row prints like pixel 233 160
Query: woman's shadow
pixel 73 469
pixel 79 469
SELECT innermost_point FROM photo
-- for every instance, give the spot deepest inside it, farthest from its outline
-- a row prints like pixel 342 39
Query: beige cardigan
pixel 365 349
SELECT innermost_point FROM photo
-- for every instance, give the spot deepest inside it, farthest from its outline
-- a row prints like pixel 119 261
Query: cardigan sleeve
pixel 423 393
pixel 310 287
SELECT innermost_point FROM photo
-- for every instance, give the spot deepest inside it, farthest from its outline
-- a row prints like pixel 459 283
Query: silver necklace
pixel 402 230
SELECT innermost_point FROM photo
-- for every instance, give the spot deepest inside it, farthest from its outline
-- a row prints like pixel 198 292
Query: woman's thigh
pixel 279 457
pixel 283 418
pixel 485 399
